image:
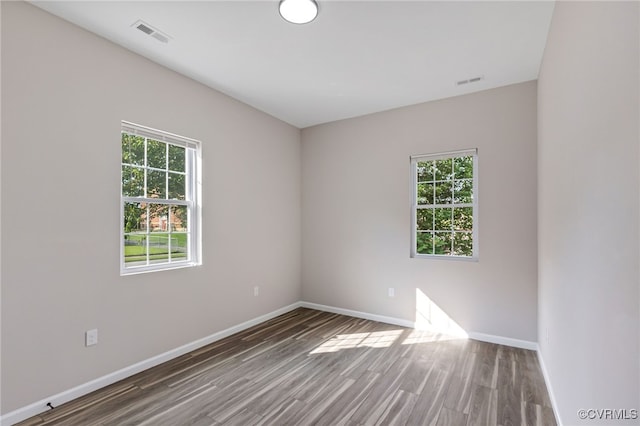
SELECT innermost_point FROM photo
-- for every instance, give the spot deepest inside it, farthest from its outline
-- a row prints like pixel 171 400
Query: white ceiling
pixel 355 58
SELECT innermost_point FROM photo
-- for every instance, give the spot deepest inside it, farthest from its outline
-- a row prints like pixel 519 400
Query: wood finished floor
pixel 315 368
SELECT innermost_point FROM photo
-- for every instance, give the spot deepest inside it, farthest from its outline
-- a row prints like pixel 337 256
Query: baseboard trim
pixel 81 390
pixel 500 340
pixel 358 314
pixel 547 381
pixel 490 338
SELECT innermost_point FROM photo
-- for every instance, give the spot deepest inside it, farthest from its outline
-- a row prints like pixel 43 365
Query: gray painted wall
pixel 356 212
pixel 67 91
pixel 588 185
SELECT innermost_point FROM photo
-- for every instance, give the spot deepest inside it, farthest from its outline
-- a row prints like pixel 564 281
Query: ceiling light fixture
pixel 298 11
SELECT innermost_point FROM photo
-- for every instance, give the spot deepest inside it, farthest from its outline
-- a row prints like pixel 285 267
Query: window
pixel 160 200
pixel 445 205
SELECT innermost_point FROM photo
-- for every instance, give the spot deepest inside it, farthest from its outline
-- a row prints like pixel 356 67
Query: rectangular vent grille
pixel 470 80
pixel 160 37
pixel 151 31
pixel 145 29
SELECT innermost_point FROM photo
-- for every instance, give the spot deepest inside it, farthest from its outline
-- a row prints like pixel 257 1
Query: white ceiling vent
pixel 153 32
pixel 470 80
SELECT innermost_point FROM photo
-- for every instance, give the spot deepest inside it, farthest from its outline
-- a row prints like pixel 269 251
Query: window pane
pixel 463 167
pixel 132 181
pixel 179 219
pixel 463 244
pixel 442 243
pixel 463 219
pixel 156 154
pixel 158 238
pixel 132 149
pixel 176 158
pixel 425 193
pixel 424 219
pixel 158 218
pixel 424 243
pixel 135 240
pixel 156 184
pixel 135 217
pixel 444 169
pixel 463 191
pixel 176 186
pixel 158 247
pixel 443 193
pixel 179 246
pixel 442 219
pixel 425 171
pixel 135 249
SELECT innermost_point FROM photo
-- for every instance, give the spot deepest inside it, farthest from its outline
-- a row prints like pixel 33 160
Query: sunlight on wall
pixel 432 325
pixel 376 339
pixel 430 317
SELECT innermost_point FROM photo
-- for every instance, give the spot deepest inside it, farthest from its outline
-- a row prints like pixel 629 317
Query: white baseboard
pixel 490 338
pixel 78 391
pixel 500 340
pixel 547 382
pixel 358 314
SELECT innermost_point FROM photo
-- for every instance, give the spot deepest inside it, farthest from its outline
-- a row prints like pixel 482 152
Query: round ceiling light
pixel 299 11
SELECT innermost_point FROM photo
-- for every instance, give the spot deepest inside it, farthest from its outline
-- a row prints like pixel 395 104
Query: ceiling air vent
pixel 144 29
pixel 153 32
pixel 160 37
pixel 470 80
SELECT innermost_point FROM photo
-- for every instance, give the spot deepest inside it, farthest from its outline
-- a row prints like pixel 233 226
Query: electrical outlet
pixel 91 337
pixel 256 291
pixel 392 292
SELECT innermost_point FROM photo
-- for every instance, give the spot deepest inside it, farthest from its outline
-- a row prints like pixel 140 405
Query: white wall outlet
pixel 392 292
pixel 256 291
pixel 91 337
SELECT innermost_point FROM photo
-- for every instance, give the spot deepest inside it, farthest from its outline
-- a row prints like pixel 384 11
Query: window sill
pixel 445 257
pixel 159 268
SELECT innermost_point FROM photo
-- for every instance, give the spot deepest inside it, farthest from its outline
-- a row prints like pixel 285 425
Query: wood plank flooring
pixel 308 367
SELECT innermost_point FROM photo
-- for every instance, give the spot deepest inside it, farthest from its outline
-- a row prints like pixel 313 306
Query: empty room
pixel 319 212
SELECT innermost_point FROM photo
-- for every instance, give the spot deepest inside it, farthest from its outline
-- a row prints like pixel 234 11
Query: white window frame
pixel 193 194
pixel 414 160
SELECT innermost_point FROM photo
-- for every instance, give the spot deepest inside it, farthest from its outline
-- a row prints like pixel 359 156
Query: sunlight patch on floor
pixel 422 336
pixel 375 339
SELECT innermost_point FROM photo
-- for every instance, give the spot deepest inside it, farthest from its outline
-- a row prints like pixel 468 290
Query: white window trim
pixel 414 160
pixel 193 170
